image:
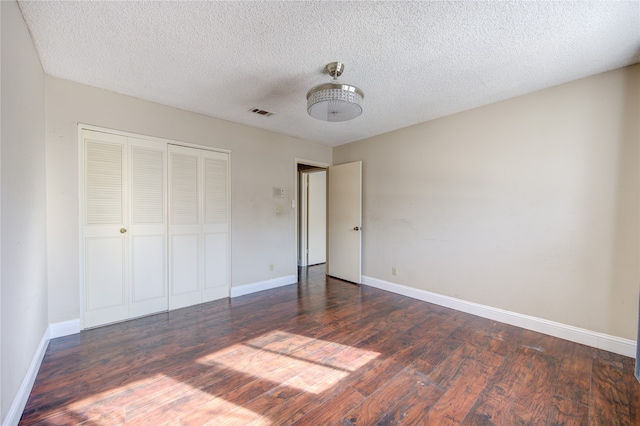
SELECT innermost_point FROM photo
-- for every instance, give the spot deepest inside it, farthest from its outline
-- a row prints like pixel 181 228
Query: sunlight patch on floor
pixel 302 362
pixel 188 396
pixel 134 404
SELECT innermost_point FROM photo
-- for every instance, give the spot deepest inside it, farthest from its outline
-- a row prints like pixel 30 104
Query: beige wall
pixel 260 160
pixel 23 286
pixel 529 205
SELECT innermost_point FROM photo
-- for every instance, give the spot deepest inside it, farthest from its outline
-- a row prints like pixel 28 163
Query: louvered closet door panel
pixel 148 227
pixel 105 247
pixel 185 240
pixel 215 225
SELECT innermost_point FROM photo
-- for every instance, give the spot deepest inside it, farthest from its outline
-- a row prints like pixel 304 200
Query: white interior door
pixel 317 218
pixel 185 252
pixel 148 227
pixel 105 239
pixel 344 207
pixel 215 227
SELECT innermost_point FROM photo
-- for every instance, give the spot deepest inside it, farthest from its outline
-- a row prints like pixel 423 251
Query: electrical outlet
pixel 394 270
pixel 271 267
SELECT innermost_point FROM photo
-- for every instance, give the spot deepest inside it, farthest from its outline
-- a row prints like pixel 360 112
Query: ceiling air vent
pixel 261 112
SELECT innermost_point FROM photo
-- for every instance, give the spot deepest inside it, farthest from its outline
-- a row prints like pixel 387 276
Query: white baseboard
pixel 263 285
pixel 20 401
pixel 607 342
pixel 65 328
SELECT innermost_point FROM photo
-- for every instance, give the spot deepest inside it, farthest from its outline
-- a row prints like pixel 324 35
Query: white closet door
pixel 105 239
pixel 185 251
pixel 148 227
pixel 215 228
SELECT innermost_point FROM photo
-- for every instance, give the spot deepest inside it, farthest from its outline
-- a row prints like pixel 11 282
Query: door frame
pixel 296 191
pixel 80 211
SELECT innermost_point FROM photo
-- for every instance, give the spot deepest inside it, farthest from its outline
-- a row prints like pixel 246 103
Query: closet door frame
pixel 81 201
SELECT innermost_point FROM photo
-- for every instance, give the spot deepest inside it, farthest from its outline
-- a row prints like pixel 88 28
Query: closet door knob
pixel 123 230
pixel 356 229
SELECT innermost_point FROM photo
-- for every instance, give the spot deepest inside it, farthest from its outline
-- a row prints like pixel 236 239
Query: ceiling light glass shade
pixel 334 102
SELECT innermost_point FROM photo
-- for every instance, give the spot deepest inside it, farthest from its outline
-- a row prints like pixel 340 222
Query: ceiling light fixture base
pixel 335 69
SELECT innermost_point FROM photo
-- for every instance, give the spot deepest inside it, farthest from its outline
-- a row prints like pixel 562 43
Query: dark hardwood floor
pixel 327 352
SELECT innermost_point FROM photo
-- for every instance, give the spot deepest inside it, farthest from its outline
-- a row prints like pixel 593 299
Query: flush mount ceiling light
pixel 334 101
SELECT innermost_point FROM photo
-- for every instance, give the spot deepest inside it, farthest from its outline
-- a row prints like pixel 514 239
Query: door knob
pixel 356 229
pixel 123 230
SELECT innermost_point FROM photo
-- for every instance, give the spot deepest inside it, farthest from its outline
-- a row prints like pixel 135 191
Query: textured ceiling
pixel 415 61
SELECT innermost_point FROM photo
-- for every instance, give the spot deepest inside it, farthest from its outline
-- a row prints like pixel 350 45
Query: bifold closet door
pixel 148 227
pixel 215 226
pixel 124 232
pixel 155 227
pixel 185 253
pixel 198 226
pixel 105 243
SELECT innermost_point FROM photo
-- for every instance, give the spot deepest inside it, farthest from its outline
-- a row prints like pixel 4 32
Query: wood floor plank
pixel 574 378
pixel 633 387
pixel 282 405
pixel 609 403
pixel 326 352
pixel 456 402
pixel 454 366
pixel 544 344
pixel 494 401
pixel 534 397
pixel 383 370
pixel 380 402
pixel 332 409
pixel 567 412
pixel 413 408
pixel 437 350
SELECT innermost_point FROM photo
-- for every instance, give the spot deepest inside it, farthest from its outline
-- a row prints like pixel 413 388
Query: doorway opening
pixel 312 214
